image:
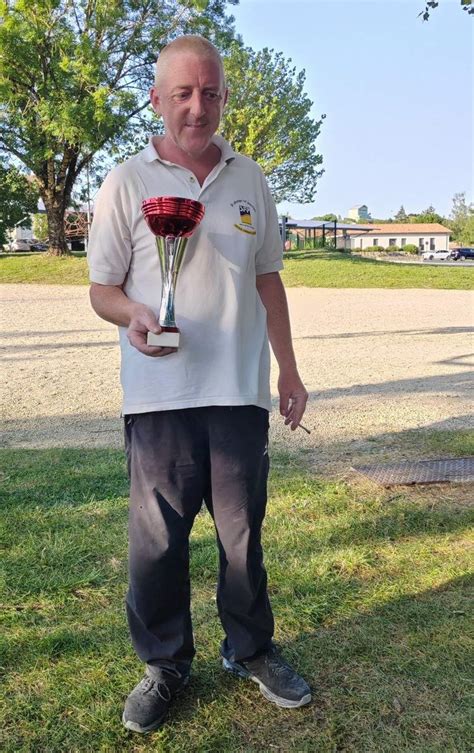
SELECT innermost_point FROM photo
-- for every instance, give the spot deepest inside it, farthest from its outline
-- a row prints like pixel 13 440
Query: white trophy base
pixel 164 339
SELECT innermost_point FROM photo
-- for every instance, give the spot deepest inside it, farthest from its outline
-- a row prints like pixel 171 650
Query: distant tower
pixel 359 212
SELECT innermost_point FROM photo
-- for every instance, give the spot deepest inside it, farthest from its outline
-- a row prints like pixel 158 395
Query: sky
pixel 397 94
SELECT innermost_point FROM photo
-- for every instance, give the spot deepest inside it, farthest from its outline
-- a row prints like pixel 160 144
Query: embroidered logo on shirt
pixel 245 218
pixel 245 214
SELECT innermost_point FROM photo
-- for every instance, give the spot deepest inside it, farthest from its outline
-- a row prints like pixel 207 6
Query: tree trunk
pixel 55 210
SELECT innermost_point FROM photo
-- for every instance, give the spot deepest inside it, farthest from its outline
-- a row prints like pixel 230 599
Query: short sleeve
pixel 110 247
pixel 269 257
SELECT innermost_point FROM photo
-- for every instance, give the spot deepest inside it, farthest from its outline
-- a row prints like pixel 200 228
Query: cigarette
pixel 304 428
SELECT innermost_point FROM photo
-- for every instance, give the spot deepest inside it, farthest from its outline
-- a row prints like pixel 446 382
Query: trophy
pixel 172 220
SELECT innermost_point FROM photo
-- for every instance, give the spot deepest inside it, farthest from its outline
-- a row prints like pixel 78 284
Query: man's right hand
pixel 142 322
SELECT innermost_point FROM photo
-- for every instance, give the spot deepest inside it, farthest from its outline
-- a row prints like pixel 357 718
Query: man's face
pixel 190 97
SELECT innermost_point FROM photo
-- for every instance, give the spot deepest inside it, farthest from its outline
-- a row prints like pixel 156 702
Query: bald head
pixel 190 43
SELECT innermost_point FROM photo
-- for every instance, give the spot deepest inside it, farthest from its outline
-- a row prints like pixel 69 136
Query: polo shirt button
pixel 193 180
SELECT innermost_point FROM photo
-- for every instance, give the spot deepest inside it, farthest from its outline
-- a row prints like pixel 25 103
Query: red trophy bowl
pixel 172 220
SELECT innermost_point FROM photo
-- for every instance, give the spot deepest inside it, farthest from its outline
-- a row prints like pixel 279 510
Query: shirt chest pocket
pixel 233 233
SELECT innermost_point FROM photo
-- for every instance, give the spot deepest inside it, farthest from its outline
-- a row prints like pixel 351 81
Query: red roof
pixel 410 227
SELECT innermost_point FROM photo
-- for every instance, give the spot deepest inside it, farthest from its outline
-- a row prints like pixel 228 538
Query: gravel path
pixel 376 363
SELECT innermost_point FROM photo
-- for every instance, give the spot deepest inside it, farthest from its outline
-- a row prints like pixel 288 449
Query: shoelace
pixel 276 663
pixel 151 685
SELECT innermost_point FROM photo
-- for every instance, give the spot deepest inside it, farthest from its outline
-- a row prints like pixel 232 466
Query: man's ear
pixel 155 100
pixel 226 96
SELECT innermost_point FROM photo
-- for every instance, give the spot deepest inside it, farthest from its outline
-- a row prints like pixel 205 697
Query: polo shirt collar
pixel 227 153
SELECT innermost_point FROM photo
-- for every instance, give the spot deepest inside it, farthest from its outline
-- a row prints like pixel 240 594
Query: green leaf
pixel 200 4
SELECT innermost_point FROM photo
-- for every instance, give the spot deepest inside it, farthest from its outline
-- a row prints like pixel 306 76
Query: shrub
pixel 393 249
pixel 410 248
pixel 317 243
pixel 374 249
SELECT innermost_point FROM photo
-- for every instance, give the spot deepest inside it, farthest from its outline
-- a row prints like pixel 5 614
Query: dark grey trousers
pixel 177 459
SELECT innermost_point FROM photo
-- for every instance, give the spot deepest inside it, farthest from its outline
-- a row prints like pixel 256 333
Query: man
pixel 196 418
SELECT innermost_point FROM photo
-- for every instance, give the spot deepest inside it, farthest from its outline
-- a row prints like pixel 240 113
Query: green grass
pixel 447 442
pixel 44 269
pixel 370 591
pixel 310 268
pixel 318 269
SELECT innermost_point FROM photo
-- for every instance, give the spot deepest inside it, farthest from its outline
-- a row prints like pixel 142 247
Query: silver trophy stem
pixel 171 254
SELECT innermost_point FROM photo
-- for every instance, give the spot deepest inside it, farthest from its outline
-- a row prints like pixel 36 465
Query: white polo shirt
pixel 223 356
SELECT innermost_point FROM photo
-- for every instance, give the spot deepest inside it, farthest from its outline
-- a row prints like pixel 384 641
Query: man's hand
pixel 293 398
pixel 143 321
pixel 111 303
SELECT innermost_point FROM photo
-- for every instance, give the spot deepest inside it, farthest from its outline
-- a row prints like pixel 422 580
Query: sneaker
pixel 278 682
pixel 147 704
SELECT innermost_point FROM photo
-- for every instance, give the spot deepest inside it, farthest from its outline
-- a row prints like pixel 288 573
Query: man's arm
pixel 293 395
pixel 110 303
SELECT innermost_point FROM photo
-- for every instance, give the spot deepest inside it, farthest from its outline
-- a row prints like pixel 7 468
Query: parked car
pixel 30 244
pixel 436 255
pixel 21 244
pixel 39 246
pixel 459 254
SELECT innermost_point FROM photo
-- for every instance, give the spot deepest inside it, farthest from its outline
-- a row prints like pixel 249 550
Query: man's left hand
pixel 293 399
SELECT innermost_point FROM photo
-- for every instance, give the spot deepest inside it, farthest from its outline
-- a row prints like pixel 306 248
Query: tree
pixel 466 236
pixel 427 215
pixel 18 198
pixel 461 221
pixel 74 77
pixel 401 215
pixel 430 6
pixel 327 217
pixel 267 118
pixel 40 227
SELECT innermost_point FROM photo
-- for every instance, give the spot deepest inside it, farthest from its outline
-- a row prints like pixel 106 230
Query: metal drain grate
pixel 420 471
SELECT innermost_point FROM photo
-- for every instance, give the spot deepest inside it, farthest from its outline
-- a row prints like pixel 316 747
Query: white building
pixel 429 236
pixel 359 212
pixel 19 237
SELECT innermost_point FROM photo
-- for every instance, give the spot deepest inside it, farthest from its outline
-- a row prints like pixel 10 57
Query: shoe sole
pixel 135 727
pixel 284 703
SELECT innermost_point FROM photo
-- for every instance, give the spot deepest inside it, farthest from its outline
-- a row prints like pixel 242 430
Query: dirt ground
pixel 377 364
